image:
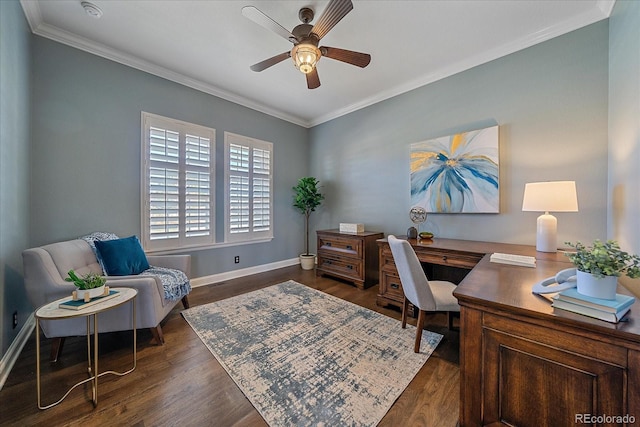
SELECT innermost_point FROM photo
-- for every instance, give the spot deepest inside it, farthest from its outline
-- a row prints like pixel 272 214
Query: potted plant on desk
pixel 306 199
pixel 599 266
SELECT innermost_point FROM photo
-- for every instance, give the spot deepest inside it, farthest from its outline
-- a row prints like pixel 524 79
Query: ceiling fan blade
pixel 263 20
pixel 263 65
pixel 335 11
pixel 313 81
pixel 350 57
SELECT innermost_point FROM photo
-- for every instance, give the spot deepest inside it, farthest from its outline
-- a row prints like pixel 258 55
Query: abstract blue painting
pixel 457 173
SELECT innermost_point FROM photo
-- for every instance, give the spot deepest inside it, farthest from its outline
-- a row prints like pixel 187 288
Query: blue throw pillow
pixel 122 257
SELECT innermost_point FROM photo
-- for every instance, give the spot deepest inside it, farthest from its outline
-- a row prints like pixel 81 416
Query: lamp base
pixel 546 236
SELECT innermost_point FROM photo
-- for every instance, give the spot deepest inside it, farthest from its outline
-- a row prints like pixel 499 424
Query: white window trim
pixel 182 242
pixel 252 236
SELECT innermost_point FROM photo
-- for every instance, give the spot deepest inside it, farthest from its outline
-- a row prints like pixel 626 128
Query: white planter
pixel 95 292
pixel 592 286
pixel 308 262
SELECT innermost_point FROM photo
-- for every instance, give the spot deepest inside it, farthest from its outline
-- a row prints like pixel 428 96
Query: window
pixel 248 188
pixel 178 184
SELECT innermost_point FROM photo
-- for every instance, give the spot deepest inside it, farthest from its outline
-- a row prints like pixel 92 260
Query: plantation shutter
pixel 198 186
pixel 248 180
pixel 177 184
pixel 238 189
pixel 164 187
pixel 261 189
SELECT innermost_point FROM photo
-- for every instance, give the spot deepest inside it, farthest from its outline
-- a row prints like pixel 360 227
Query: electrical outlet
pixel 236 259
pixel 15 319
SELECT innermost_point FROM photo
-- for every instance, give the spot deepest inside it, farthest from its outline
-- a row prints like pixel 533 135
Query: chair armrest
pixel 149 287
pixel 177 262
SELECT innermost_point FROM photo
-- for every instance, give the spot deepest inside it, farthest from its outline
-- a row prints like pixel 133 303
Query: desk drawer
pixel 390 286
pixel 454 259
pixel 345 246
pixel 347 268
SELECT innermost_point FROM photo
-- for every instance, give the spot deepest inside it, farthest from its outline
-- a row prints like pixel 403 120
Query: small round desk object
pixel 418 214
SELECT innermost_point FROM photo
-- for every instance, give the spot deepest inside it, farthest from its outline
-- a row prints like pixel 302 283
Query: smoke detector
pixel 91 9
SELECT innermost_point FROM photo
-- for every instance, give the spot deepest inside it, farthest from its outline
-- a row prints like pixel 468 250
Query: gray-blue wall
pixel 86 153
pixel 14 167
pixel 624 129
pixel 550 101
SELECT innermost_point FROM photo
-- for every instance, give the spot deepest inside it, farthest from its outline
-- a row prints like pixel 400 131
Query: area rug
pixel 306 358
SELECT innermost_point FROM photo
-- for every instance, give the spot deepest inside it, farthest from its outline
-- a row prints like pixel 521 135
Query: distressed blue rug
pixel 306 358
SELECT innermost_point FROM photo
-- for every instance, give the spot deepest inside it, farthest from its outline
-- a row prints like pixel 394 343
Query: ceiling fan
pixel 305 38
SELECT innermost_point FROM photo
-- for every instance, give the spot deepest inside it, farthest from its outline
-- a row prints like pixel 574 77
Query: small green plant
pixel 88 281
pixel 604 259
pixel 306 199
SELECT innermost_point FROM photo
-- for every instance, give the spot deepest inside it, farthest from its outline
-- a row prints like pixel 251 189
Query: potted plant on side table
pixel 306 199
pixel 599 266
pixel 89 286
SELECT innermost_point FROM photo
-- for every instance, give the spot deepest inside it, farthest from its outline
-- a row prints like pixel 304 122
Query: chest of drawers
pixel 349 256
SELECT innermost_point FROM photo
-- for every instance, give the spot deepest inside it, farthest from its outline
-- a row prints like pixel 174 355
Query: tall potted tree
pixel 306 199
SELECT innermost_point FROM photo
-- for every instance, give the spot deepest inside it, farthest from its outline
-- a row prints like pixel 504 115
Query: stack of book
pixel 604 309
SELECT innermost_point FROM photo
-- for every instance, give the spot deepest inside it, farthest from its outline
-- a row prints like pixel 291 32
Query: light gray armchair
pixel 46 267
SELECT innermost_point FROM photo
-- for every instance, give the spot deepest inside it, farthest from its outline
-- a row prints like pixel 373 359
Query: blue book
pixel 610 306
pixel 588 311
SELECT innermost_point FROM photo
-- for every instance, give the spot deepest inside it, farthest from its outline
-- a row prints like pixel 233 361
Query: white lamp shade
pixel 553 196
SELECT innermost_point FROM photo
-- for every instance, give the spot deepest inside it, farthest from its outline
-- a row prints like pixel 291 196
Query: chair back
pixel 414 281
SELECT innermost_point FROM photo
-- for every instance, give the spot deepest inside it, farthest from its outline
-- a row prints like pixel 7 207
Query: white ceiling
pixel 209 45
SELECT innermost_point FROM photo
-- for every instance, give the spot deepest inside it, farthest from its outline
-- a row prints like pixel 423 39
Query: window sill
pixel 184 249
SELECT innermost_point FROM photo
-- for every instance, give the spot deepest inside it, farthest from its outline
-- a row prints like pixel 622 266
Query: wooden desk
pixel 522 362
pixel 525 363
pixel 444 259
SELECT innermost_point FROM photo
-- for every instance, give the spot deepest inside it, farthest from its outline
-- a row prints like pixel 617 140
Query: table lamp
pixel 553 196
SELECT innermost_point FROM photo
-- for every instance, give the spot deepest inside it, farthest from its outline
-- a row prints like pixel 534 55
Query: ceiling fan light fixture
pixel 305 56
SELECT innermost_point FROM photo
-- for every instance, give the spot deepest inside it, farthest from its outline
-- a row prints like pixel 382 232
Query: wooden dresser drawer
pixel 344 267
pixel 351 256
pixel 346 246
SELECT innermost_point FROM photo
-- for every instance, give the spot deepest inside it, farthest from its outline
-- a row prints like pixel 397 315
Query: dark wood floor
pixel 181 383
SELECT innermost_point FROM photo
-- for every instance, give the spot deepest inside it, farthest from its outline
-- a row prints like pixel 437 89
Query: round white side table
pixel 52 311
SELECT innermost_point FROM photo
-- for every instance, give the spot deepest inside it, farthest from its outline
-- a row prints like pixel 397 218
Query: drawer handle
pixel 328 262
pixel 328 244
pixel 444 258
pixel 350 247
pixel 395 286
pixel 350 267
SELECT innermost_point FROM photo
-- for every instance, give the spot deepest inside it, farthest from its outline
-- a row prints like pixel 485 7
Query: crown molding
pixel 606 6
pixel 34 18
pixel 601 12
pixel 32 12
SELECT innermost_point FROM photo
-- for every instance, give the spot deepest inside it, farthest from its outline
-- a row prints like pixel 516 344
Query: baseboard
pixel 234 274
pixel 14 350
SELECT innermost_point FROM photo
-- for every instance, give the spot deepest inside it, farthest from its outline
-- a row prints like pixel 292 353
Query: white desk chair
pixel 434 295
